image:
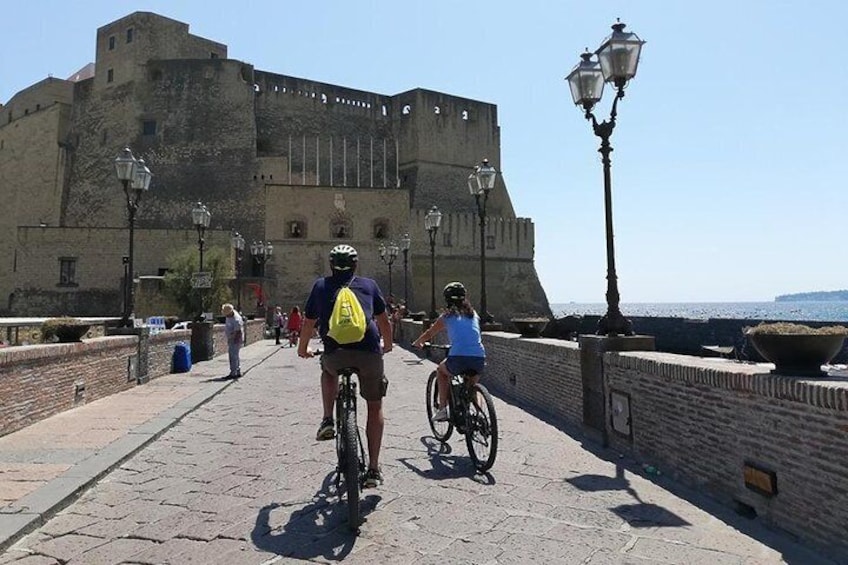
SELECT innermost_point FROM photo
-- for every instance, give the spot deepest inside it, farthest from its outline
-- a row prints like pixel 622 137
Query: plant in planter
pixel 796 349
pixel 529 325
pixel 63 330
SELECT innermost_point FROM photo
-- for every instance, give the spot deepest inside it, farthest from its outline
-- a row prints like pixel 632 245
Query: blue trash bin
pixel 182 358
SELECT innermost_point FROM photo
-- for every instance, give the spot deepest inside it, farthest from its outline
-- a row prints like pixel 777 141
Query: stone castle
pixel 302 164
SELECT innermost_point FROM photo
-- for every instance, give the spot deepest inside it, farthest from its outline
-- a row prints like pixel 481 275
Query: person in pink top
pixel 294 324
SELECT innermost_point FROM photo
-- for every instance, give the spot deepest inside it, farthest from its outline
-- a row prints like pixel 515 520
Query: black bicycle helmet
pixel 454 293
pixel 343 257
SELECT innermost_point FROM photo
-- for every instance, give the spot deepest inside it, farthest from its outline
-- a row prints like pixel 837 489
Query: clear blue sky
pixel 727 169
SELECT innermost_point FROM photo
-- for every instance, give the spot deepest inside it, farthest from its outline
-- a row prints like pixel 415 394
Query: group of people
pixel 458 318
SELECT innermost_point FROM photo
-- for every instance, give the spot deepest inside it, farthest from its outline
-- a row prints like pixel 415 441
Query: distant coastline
pixel 821 296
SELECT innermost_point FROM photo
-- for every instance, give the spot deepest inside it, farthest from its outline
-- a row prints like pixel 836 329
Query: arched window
pixel 381 229
pixel 296 227
pixel 465 115
pixel 341 228
pixel 406 110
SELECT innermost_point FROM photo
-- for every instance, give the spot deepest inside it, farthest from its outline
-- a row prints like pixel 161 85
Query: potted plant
pixel 63 330
pixel 796 349
pixel 530 325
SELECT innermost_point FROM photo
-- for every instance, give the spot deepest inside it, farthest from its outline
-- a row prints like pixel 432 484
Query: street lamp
pixel 135 177
pixel 480 183
pixel 200 217
pixel 404 246
pixel 261 253
pixel 238 245
pixel 431 223
pixel 618 58
pixel 388 256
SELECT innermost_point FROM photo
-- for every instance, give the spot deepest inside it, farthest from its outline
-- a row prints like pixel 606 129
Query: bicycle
pixel 349 448
pixel 471 412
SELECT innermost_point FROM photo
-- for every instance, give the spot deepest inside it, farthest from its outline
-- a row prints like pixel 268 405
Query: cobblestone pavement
pixel 242 480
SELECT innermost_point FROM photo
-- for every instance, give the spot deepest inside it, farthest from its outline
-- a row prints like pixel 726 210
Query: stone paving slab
pixel 241 479
pixel 47 464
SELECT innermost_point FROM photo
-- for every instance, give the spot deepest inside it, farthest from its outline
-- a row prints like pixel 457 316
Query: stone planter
pixel 797 354
pixel 529 327
pixel 417 316
pixel 71 334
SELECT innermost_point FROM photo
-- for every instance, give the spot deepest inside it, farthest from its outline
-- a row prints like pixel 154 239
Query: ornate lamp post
pixel 388 256
pixel 480 183
pixel 238 245
pixel 135 177
pixel 200 217
pixel 404 246
pixel 261 253
pixel 618 58
pixel 432 221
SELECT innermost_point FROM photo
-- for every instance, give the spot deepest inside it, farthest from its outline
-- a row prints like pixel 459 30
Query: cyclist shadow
pixel 444 465
pixel 319 529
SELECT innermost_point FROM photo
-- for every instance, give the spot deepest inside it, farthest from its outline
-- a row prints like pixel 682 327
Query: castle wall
pixel 99 269
pixel 37 97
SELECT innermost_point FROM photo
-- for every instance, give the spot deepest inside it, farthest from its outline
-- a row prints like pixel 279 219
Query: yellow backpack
pixel 347 321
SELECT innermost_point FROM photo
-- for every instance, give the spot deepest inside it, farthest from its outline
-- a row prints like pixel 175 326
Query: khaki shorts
pixel 369 365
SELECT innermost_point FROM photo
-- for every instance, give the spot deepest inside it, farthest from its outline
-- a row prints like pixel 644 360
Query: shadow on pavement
pixel 639 515
pixel 443 465
pixel 318 529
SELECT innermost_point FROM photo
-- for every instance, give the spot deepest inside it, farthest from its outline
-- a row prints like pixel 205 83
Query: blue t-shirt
pixel 319 306
pixel 464 335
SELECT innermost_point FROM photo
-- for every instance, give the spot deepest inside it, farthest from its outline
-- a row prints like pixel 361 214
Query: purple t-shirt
pixel 319 306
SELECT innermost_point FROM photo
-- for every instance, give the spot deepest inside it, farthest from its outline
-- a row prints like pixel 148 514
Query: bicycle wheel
pixel 351 469
pixel 441 430
pixel 481 434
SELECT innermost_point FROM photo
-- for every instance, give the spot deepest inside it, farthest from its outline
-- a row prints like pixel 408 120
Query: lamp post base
pixel 614 324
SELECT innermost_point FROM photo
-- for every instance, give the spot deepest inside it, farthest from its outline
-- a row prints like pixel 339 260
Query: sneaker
pixel 373 478
pixel 327 430
pixel 441 415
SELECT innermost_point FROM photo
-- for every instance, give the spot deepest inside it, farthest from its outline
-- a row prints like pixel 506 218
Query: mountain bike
pixel 349 448
pixel 471 412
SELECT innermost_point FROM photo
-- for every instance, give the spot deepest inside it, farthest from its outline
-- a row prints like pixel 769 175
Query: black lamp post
pixel 388 256
pixel 238 245
pixel 261 253
pixel 404 246
pixel 618 58
pixel 200 217
pixel 480 183
pixel 135 177
pixel 431 223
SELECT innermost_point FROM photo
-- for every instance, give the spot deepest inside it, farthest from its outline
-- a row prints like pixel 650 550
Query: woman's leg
pixel 443 384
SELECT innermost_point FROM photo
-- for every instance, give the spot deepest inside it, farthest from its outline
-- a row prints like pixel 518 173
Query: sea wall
pixel 705 422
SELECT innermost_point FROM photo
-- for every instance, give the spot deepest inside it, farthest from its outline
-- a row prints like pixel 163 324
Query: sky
pixel 727 180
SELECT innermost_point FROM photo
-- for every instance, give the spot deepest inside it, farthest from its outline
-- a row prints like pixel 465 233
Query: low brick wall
pixel 253 329
pixel 161 353
pixel 701 420
pixel 38 381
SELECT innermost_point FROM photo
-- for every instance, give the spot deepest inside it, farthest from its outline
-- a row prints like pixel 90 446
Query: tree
pixel 183 264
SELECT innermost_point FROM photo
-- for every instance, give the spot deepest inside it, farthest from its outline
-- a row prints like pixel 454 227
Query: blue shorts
pixel 459 364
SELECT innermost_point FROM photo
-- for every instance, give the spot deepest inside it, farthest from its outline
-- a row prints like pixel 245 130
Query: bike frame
pixel 346 403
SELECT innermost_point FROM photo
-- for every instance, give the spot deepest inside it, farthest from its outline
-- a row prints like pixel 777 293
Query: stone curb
pixel 35 509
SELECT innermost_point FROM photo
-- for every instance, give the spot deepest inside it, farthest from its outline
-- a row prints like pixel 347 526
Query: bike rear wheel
pixel 481 434
pixel 351 469
pixel 441 430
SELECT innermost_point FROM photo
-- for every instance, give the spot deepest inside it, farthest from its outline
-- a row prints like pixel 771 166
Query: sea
pixel 833 311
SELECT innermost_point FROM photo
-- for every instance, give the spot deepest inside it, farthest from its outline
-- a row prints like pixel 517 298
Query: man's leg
pixel 374 432
pixel 232 355
pixel 329 391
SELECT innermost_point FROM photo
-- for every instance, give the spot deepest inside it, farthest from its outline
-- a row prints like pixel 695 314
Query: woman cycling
pixel 466 352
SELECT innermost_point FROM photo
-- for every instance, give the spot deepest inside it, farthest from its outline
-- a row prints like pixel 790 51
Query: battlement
pixel 459 235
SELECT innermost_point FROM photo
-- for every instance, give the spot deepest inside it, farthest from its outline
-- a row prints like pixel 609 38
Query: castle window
pixel 110 75
pixel 490 242
pixel 465 115
pixel 129 35
pixel 446 239
pixel 111 42
pixel 213 55
pixel 437 110
pixel 340 229
pixel 381 229
pixel 297 229
pixel 406 110
pixel 148 127
pixel 67 271
pixel 37 107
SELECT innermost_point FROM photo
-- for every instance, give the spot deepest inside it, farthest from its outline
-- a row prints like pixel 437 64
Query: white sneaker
pixel 441 415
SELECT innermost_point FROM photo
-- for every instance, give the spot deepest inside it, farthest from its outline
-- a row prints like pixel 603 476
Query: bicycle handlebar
pixel 428 345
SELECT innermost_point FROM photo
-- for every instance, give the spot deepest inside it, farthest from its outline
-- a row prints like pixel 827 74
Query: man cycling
pixel 366 355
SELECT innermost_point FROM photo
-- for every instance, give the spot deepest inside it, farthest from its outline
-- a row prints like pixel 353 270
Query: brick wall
pixel 253 329
pixel 700 420
pixel 38 381
pixel 162 351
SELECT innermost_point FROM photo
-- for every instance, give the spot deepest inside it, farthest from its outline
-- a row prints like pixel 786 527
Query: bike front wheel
pixel 481 434
pixel 441 430
pixel 351 469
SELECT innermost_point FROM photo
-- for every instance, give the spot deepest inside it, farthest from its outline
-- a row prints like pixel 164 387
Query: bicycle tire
pixel 351 469
pixel 481 428
pixel 441 430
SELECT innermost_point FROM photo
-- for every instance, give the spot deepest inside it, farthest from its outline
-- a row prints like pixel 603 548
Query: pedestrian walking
pixel 279 323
